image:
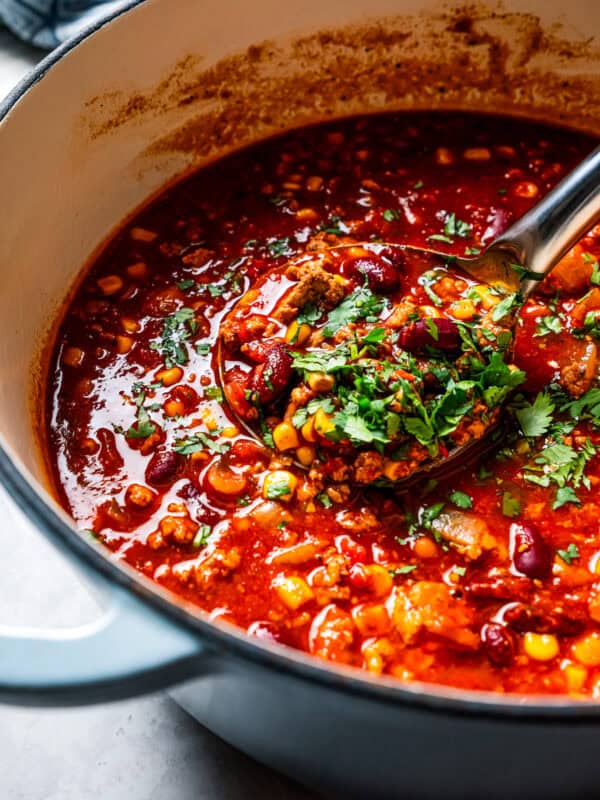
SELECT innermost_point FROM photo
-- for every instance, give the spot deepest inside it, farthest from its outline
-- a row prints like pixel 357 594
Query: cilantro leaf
pixel 564 495
pixel 460 499
pixel 202 537
pixel 505 306
pixel 405 569
pixel 511 506
pixel 198 442
pixel 361 304
pixel 570 554
pixel 535 418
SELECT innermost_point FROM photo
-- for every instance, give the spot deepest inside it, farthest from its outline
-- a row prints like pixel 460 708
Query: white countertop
pixel 144 749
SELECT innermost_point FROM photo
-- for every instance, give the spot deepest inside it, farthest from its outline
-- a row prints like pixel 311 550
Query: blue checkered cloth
pixel 48 23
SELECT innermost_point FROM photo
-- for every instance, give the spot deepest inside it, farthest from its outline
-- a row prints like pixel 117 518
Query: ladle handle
pixel 542 236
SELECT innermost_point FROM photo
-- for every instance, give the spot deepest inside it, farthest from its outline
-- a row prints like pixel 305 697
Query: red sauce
pixel 487 580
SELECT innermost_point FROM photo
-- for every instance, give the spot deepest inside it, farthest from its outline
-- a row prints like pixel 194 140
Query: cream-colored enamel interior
pixel 171 83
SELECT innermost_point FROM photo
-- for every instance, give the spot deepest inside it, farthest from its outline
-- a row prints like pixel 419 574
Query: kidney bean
pixel 247 451
pixel 417 337
pixel 270 378
pixel 498 644
pixel 162 468
pixel 501 587
pixel 525 619
pixel 530 553
pixel 109 455
pixel 382 276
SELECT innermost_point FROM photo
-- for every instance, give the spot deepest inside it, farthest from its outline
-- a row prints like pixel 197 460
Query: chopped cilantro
pixel 391 214
pixel 198 442
pixel 564 495
pixel 405 569
pixel 548 324
pixel 456 227
pixel 335 226
pixel 460 499
pixel 570 554
pixel 427 514
pixel 202 537
pixel 427 280
pixel 535 418
pixel 279 489
pixel 361 304
pixel 511 506
pixel 375 336
pixel 280 247
pixel 432 329
pixel 505 306
pixel 561 464
pixel 203 348
pixel 325 500
pixel 309 314
pixel 189 283
pixel 214 393
pixel 461 571
pixel 177 328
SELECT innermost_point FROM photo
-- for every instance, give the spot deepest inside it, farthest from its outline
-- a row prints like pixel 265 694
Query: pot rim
pixel 224 637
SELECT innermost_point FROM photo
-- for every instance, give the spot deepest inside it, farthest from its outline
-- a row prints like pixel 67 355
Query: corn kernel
pixel 111 284
pixel 308 430
pixel 425 547
pixel 168 377
pixel 297 333
pixel 124 344
pixel 73 356
pixel 376 653
pixel 307 214
pixel 371 619
pixel 506 151
pixel 129 325
pixel 139 270
pixel 320 382
pixel 576 676
pixel 463 309
pixel 285 436
pixel 314 183
pixel 526 189
pixel 323 423
pixel 229 431
pixel 380 580
pixel 587 650
pixel 142 235
pixel 477 154
pixel 174 408
pixel 394 470
pixel 293 591
pixel 306 455
pixel 486 297
pixel 279 485
pixel 444 156
pixel 541 646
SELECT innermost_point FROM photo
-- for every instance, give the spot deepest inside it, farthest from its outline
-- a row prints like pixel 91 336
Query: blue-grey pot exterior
pixel 363 748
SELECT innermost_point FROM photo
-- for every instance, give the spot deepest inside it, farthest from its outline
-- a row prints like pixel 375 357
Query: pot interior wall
pixel 174 83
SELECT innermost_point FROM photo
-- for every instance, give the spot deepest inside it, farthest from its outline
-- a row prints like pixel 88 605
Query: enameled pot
pixel 105 122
